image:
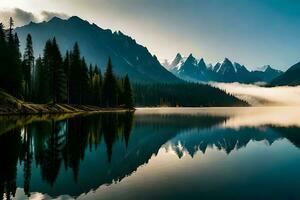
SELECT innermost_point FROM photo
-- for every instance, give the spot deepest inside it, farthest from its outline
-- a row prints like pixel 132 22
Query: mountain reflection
pixel 62 155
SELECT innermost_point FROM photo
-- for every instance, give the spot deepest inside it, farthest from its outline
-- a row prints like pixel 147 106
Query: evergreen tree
pixel 96 86
pixel 67 68
pixel 78 77
pixel 83 83
pixel 10 72
pixel 2 34
pixel 41 83
pixel 3 57
pixel 28 65
pixel 91 99
pixel 75 75
pixel 91 72
pixel 127 93
pixel 52 61
pixel 110 87
pixel 10 33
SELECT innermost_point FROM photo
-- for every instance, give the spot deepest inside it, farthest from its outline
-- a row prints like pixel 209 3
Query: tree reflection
pixel 52 143
pixel 10 148
pixel 55 145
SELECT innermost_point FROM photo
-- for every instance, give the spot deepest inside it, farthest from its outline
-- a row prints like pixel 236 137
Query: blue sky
pixel 252 32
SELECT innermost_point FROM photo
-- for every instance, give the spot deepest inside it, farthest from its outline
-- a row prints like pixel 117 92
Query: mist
pixel 263 96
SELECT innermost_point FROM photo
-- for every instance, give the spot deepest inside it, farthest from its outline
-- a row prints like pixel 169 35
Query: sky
pixel 251 32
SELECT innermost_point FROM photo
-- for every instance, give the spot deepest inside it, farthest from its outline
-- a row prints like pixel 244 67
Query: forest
pixel 53 78
pixel 183 94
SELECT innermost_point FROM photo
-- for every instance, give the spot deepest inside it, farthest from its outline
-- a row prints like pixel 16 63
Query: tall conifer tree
pixel 11 81
pixel 41 83
pixel 28 65
pixel 109 89
pixel 127 95
pixel 56 76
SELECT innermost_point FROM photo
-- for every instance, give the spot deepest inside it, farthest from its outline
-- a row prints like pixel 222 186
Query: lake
pixel 155 153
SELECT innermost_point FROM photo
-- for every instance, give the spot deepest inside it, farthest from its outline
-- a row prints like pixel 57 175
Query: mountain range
pixel 191 69
pixel 291 77
pixel 96 46
pixel 131 58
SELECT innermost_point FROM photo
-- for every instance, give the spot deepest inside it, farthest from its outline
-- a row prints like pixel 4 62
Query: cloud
pixel 263 96
pixel 47 15
pixel 22 17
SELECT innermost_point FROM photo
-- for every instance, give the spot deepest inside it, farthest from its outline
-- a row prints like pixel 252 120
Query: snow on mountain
pixel 227 71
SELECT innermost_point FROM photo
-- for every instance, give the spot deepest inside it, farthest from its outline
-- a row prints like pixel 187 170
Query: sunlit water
pixel 166 153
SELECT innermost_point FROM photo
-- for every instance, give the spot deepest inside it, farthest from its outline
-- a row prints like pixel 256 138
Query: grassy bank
pixel 10 105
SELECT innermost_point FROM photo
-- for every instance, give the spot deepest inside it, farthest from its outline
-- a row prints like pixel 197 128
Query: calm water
pixel 215 153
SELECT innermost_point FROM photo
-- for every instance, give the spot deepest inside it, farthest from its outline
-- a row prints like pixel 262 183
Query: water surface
pixel 166 153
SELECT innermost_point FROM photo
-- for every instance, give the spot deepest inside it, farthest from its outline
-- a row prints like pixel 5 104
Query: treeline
pixel 183 94
pixel 53 78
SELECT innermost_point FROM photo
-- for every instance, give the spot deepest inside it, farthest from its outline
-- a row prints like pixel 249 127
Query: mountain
pixel 227 71
pixel 97 45
pixel 234 72
pixel 177 63
pixel 291 77
pixel 267 73
pixel 190 69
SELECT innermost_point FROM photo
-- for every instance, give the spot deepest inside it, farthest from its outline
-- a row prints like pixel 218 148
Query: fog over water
pixel 263 96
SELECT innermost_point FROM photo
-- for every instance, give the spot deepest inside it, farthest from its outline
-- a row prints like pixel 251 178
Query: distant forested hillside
pixel 183 94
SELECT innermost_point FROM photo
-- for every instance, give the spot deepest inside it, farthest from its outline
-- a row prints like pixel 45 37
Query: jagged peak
pixel 201 61
pixel 178 56
pixel 202 64
pixel 75 18
pixel 226 60
pixel 55 19
pixel 178 60
pixel 191 56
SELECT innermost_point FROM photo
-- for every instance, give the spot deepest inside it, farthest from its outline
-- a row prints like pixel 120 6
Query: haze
pixel 263 96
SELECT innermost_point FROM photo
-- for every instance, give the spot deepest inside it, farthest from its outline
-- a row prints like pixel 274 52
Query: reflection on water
pixel 235 153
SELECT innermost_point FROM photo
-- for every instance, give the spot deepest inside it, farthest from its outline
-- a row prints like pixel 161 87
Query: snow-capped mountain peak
pixel 191 69
pixel 177 62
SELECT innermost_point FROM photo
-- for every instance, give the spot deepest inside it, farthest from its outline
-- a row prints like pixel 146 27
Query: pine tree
pixel 2 34
pixel 28 65
pixel 96 86
pixel 10 33
pixel 67 68
pixel 3 57
pixel 78 77
pixel 75 76
pixel 83 81
pixel 110 87
pixel 41 83
pixel 11 72
pixel 52 61
pixel 91 95
pixel 127 95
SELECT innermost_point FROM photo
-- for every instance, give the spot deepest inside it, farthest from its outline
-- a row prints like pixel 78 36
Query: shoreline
pixel 49 109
